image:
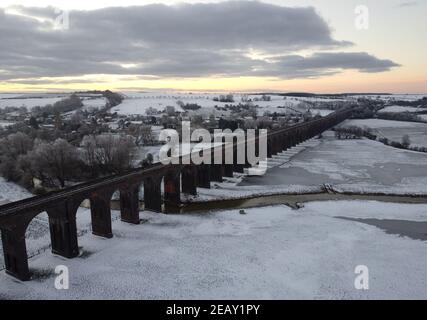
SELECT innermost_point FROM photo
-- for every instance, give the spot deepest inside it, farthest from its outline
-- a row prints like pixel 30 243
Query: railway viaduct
pixel 61 206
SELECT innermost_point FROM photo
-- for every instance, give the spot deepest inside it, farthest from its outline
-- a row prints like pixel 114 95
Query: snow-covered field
pixel 394 130
pixel 396 109
pixel 29 103
pixel 133 106
pixel 138 103
pixel 349 165
pixel 91 104
pixel 269 253
pixel 8 95
pixel 322 112
pixel 379 123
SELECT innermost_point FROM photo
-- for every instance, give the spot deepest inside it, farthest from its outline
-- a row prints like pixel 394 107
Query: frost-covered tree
pixel 11 148
pixel 406 141
pixel 142 133
pixel 109 153
pixel 54 161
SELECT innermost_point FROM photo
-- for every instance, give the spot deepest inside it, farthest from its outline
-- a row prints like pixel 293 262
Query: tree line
pixel 355 132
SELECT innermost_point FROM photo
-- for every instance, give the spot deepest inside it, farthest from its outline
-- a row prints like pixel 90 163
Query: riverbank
pixel 295 200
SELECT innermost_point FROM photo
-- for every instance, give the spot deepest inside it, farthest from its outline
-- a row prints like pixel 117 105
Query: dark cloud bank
pixel 175 41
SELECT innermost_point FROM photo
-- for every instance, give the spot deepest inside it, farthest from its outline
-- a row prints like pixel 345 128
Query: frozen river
pixel 356 162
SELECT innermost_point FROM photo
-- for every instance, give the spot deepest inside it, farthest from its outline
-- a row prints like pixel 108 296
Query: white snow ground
pixel 138 103
pixel 269 253
pixel 356 166
pixel 396 109
pixel 380 124
pixel 11 192
pixel 394 130
pixel 94 103
pixel 29 103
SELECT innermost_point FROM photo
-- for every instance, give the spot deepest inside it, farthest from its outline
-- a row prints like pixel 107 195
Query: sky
pixel 321 46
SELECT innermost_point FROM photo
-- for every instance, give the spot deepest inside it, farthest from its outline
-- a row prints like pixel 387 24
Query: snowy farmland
pixel 90 101
pixel 394 130
pixel 393 97
pixel 396 109
pixel 269 253
pixel 133 105
pixel 29 102
pixel 96 103
pixel 137 103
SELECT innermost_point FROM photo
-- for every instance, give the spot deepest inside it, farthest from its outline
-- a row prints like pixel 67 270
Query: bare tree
pixel 197 121
pixel 151 111
pixel 264 123
pixel 11 148
pixel 142 133
pixel 108 153
pixel 77 118
pixel 249 124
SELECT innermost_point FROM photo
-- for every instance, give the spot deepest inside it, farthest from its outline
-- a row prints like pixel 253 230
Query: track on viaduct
pixel 61 206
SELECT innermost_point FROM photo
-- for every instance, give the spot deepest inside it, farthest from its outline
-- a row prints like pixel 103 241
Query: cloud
pixel 187 40
pixel 327 63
